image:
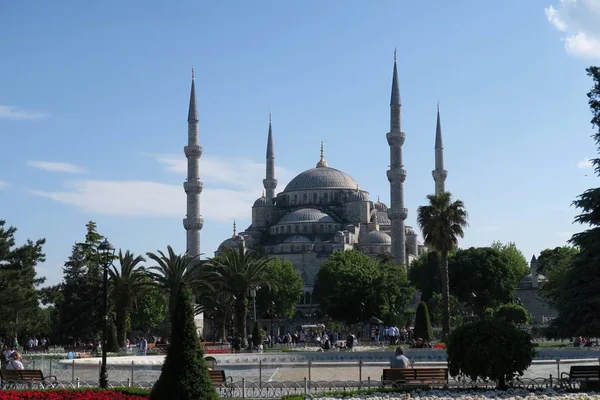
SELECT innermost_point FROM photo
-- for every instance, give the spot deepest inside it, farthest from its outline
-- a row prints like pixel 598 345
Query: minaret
pixel 270 183
pixel 439 173
pixel 396 174
pixel 322 163
pixel 193 186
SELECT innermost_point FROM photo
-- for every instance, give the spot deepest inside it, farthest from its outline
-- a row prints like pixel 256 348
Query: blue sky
pixel 93 108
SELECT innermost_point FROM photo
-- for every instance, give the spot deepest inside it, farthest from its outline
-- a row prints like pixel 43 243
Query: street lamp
pixel 253 295
pixel 106 252
pixel 272 316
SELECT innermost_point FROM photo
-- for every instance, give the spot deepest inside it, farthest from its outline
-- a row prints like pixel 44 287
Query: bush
pixel 423 327
pixel 490 349
pixel 257 336
pixel 184 374
pixel 512 313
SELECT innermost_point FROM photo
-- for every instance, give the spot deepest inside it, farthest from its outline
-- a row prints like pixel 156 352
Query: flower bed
pixel 511 394
pixel 76 394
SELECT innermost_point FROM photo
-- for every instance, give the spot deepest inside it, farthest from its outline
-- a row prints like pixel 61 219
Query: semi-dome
pixel 297 239
pixel 378 238
pixel 263 202
pixel 358 195
pixel 379 206
pixel 321 178
pixel 383 219
pixel 305 215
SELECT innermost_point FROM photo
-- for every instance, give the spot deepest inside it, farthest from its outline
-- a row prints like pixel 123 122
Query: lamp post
pixel 106 252
pixel 272 317
pixel 253 295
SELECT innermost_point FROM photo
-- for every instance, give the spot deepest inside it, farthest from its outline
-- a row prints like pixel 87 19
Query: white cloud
pixel 585 163
pixel 234 188
pixel 579 21
pixel 57 167
pixel 9 112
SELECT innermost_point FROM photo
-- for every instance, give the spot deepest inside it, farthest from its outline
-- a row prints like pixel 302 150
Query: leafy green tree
pixel 512 313
pixel 490 349
pixel 286 292
pixel 578 303
pixel 256 334
pixel 484 272
pixel 151 308
pixel 112 342
pixel 423 327
pixel 442 222
pixel 18 282
pixel 184 373
pixel 516 260
pixel 435 310
pixel 127 285
pixel 237 272
pixel 393 287
pixel 424 273
pixel 554 265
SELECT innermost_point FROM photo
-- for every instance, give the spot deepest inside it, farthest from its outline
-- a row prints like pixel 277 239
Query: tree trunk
pixel 222 330
pixel 445 296
pixel 502 383
pixel 121 322
pixel 241 313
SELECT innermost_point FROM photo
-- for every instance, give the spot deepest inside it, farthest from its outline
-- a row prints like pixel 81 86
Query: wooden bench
pixel 588 376
pixel 415 376
pixel 13 377
pixel 219 380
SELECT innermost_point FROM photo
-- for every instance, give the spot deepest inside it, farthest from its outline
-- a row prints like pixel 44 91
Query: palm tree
pixel 171 271
pixel 442 222
pixel 127 285
pixel 237 272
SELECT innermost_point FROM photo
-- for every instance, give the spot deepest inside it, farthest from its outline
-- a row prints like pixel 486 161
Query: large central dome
pixel 321 178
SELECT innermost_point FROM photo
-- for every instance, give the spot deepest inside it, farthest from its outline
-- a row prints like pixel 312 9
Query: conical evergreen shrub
pixel 256 334
pixel 423 327
pixel 112 343
pixel 184 374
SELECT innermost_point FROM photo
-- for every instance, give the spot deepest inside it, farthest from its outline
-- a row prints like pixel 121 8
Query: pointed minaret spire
pixel 397 174
pixel 234 230
pixel 270 183
pixel 193 222
pixel 322 163
pixel 439 173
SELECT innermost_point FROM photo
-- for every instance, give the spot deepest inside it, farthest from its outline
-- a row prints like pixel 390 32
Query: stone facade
pixel 527 294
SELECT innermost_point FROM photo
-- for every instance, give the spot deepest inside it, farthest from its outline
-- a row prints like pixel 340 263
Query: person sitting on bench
pixel 15 362
pixel 399 360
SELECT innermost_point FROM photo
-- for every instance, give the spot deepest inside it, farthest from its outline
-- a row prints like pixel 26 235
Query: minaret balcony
pixel 395 175
pixel 439 174
pixel 401 213
pixel 192 151
pixel 270 183
pixel 193 187
pixel 193 224
pixel 395 138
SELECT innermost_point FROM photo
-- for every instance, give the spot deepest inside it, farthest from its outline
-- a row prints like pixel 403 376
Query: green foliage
pixel 578 303
pixel 424 274
pixel 257 336
pixel 442 222
pixel 286 291
pixel 484 272
pixel 554 265
pixel 423 327
pixel 351 286
pixel 112 342
pixel 19 306
pixel 150 310
pixel 512 313
pixel 434 306
pixel 517 262
pixel 490 349
pixel 184 374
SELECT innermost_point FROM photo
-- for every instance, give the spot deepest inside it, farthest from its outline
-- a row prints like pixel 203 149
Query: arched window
pixel 315 197
pixel 305 198
pixel 296 228
pixel 295 198
pixel 307 298
pixel 325 198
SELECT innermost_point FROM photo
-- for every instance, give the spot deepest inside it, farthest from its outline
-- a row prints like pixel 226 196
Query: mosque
pixel 323 209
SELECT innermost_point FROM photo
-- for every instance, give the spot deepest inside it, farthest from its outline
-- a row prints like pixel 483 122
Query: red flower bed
pixel 67 394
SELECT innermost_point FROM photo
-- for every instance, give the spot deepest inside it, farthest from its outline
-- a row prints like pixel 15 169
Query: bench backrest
pixel 585 371
pixel 415 374
pixel 21 375
pixel 217 376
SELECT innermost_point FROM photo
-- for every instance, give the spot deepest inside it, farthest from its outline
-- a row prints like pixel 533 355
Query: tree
pixel 19 306
pixel 434 306
pixel 112 341
pixel 127 284
pixel 442 222
pixel 490 349
pixel 578 303
pixel 484 272
pixel 512 313
pixel 554 265
pixel 516 260
pixel 394 290
pixel 423 327
pixel 256 334
pixel 151 308
pixel 184 374
pixel 237 272
pixel 286 292
pixel 424 273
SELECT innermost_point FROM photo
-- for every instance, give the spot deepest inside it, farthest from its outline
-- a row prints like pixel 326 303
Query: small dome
pixel 358 195
pixel 263 202
pixel 382 218
pixel 379 206
pixel 321 178
pixel 230 243
pixel 297 239
pixel 378 238
pixel 305 215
